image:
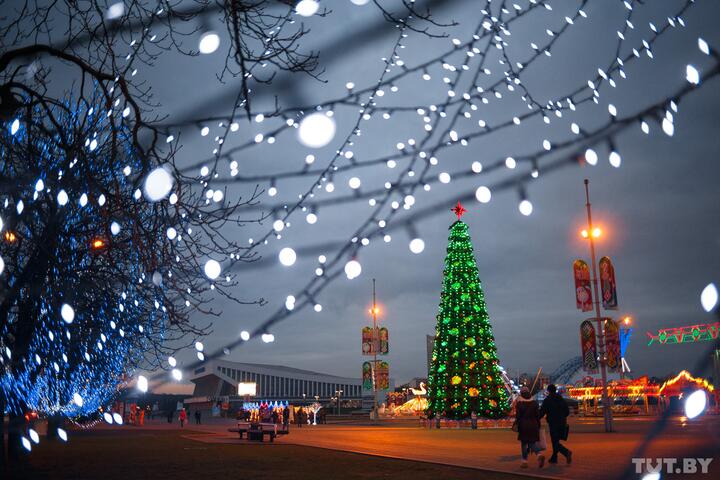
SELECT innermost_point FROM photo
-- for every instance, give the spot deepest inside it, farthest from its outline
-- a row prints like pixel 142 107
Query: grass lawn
pixel 160 454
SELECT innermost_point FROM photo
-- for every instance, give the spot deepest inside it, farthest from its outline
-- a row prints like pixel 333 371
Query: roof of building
pixel 282 368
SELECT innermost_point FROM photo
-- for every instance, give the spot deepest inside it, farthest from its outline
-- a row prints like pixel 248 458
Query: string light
pixel 353 269
pixel 307 8
pixel 212 269
pixel 417 245
pixel 287 256
pixel 709 297
pixel 316 130
pixel 209 42
pixel 158 184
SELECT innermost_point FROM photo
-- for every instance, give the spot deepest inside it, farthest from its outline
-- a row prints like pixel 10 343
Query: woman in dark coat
pixel 527 418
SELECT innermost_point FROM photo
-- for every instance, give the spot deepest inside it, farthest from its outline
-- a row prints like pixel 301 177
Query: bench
pixel 256 431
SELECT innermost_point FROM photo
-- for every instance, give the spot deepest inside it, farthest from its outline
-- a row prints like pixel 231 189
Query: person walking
pixel 183 417
pixel 286 418
pixel 527 419
pixel 198 416
pixel 556 411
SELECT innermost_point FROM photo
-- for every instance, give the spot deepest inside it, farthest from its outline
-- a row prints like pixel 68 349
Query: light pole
pixel 376 347
pixel 338 393
pixel 592 233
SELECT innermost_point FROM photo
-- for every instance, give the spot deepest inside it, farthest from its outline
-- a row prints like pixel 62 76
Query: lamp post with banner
pixel 586 299
pixel 374 342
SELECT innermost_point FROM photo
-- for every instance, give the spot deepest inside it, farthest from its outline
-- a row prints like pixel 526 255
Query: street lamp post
pixel 376 347
pixel 338 393
pixel 607 408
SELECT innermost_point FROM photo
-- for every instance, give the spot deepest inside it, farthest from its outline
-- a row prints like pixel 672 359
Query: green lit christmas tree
pixel 464 373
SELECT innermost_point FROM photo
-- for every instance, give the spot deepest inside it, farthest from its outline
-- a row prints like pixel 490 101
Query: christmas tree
pixel 464 374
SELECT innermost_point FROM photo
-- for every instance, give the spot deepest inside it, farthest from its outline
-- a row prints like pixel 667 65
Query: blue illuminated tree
pixel 103 255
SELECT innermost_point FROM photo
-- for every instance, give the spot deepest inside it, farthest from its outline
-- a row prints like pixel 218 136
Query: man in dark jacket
pixel 556 411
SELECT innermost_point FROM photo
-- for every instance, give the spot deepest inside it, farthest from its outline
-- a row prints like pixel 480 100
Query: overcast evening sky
pixel 659 211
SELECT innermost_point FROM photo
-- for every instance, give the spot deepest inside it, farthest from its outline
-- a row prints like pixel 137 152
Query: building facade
pixel 219 379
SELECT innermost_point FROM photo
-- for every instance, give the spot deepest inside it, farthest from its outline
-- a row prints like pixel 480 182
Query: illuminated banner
pixel 612 343
pixel 607 284
pixel 588 347
pixel 690 334
pixel 382 375
pixel 384 344
pixel 367 376
pixel 583 296
pixel 368 345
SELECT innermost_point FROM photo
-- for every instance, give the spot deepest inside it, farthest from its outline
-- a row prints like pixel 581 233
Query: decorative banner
pixel 368 346
pixel 583 295
pixel 367 376
pixel 690 334
pixel 384 341
pixel 382 375
pixel 612 344
pixel 607 284
pixel 588 347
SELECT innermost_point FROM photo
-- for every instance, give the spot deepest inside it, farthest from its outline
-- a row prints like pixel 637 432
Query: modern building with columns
pixel 218 379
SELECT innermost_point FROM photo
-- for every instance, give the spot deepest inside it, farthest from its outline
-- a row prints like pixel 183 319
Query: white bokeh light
pixel 67 313
pixel 142 384
pixel 158 184
pixel 290 302
pixel 353 269
pixel 307 8
pixel 354 183
pixel 62 198
pixel 417 245
pixel 212 269
pixel 695 404
pixel 525 207
pixel 209 42
pixel 287 256
pixel 483 194
pixel 591 157
pixel 115 11
pixel 316 130
pixel 708 297
pixel 176 374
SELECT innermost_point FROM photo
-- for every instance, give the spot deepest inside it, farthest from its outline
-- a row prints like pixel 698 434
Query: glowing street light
pixel 596 233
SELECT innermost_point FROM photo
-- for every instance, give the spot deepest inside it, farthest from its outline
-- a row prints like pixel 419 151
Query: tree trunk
pixel 53 423
pixel 3 462
pixel 16 428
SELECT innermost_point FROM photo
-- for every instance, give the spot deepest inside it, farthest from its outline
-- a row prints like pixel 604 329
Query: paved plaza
pixel 597 455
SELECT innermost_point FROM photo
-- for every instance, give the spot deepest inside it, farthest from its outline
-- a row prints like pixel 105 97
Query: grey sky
pixel 659 210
